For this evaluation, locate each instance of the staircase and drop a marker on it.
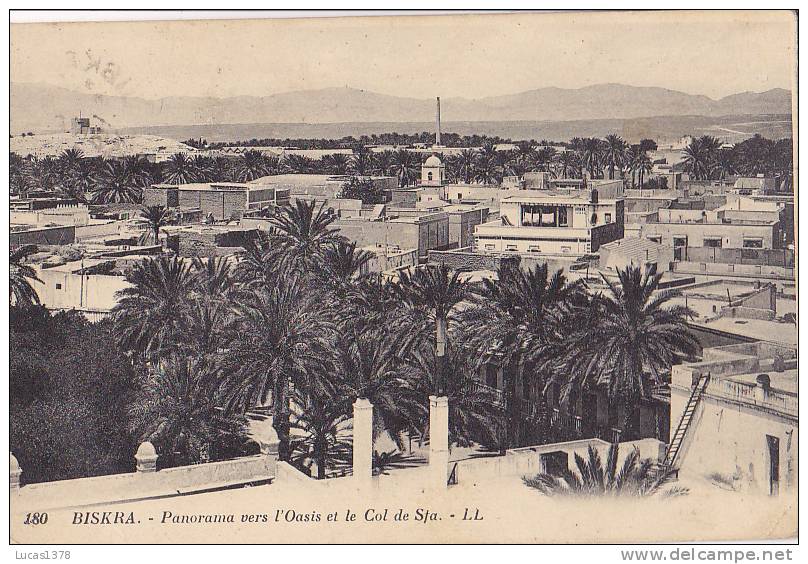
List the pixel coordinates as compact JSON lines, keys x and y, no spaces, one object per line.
{"x":684,"y":422}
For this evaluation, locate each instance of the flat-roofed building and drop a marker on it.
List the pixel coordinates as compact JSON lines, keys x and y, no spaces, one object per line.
{"x":725,"y":227}
{"x":219,"y":200}
{"x":743,"y":432}
{"x":549,"y":222}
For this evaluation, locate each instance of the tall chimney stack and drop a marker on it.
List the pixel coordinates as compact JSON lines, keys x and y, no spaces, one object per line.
{"x":437,"y":123}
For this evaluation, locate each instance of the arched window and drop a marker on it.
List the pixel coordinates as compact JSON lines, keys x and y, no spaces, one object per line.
{"x":429,"y":176}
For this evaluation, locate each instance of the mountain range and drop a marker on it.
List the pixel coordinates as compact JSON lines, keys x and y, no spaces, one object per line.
{"x":46,"y":108}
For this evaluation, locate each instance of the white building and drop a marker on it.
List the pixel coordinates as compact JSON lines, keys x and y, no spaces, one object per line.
{"x":743,"y":432}
{"x":576,"y":222}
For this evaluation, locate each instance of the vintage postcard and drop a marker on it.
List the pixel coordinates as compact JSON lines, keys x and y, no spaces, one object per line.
{"x":403,"y":278}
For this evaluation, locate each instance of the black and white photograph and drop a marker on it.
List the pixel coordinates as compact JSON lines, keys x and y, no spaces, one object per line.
{"x":523,"y":277}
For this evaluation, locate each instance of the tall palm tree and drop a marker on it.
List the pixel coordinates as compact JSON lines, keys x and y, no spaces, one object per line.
{"x":154,"y":217}
{"x":284,"y":342}
{"x":467,"y":165}
{"x":406,"y":165}
{"x":336,"y":163}
{"x":215,"y":277}
{"x":636,"y":477}
{"x":614,"y":149}
{"x":569,"y":164}
{"x":360,"y":162}
{"x":642,"y":165}
{"x":382,"y":162}
{"x":21,"y":292}
{"x":725,"y":163}
{"x":521,"y":323}
{"x":176,"y":410}
{"x":151,"y":313}
{"x":696,"y":158}
{"x":591,"y":155}
{"x":473,"y":415}
{"x":115,"y":185}
{"x":300,"y":234}
{"x":179,"y":169}
{"x":324,"y":423}
{"x":635,"y":339}
{"x":432,"y":293}
{"x":250,"y":166}
{"x":344,"y":262}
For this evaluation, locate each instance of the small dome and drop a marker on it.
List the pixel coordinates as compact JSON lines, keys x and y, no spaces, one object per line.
{"x":13,"y":464}
{"x":146,"y":449}
{"x":432,"y":161}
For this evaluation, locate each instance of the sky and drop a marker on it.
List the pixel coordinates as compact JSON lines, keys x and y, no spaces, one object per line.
{"x":471,"y":56}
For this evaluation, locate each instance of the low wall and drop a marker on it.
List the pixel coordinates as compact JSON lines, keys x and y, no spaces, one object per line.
{"x":99,"y":230}
{"x":527,"y":461}
{"x":739,"y":270}
{"x":118,"y":488}
{"x":467,"y":260}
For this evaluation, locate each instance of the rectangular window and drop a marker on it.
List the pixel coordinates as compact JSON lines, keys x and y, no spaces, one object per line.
{"x":563,"y":221}
{"x":680,"y":241}
{"x":534,"y":249}
{"x":753,"y":243}
{"x":714,"y":242}
{"x":58,"y":286}
{"x":489,"y":247}
{"x":510,"y":247}
{"x":655,"y":239}
{"x":566,"y":249}
{"x":608,"y":218}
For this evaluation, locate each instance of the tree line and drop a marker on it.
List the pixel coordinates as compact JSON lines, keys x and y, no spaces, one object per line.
{"x":295,"y":326}
{"x":100,"y":181}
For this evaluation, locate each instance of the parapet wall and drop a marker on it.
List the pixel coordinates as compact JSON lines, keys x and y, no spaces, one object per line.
{"x":119,"y":488}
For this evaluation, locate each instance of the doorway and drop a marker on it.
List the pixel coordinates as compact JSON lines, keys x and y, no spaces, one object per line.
{"x":773,"y":444}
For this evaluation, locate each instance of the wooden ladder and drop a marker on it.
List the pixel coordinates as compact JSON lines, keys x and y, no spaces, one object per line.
{"x":685,"y":420}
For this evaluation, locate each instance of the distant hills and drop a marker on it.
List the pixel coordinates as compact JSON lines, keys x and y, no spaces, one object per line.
{"x":42,"y":108}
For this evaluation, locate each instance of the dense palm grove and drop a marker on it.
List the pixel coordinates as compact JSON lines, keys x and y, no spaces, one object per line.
{"x":101,"y":181}
{"x":294,"y":327}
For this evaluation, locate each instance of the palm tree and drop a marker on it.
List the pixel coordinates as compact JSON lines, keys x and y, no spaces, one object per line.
{"x":70,"y":159}
{"x":591,"y":155}
{"x":297,"y":164}
{"x":366,"y":360}
{"x":179,"y":169}
{"x":21,"y":292}
{"x":406,"y":167}
{"x":326,"y":439}
{"x":344,"y":262}
{"x":473,"y":415}
{"x":521,"y":323}
{"x":115,"y":185}
{"x":696,"y":158}
{"x":725,"y":163}
{"x":642,"y":165}
{"x":336,"y":163}
{"x":432,"y":293}
{"x":154,"y":218}
{"x":636,"y":478}
{"x":300,"y":234}
{"x":215,"y":277}
{"x":251,"y":165}
{"x":614,"y":150}
{"x":466,"y":164}
{"x":176,"y":410}
{"x":569,"y":164}
{"x":151,"y":313}
{"x":635,"y":338}
{"x":284,"y":341}
{"x":382,"y":162}
{"x":360,"y":161}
